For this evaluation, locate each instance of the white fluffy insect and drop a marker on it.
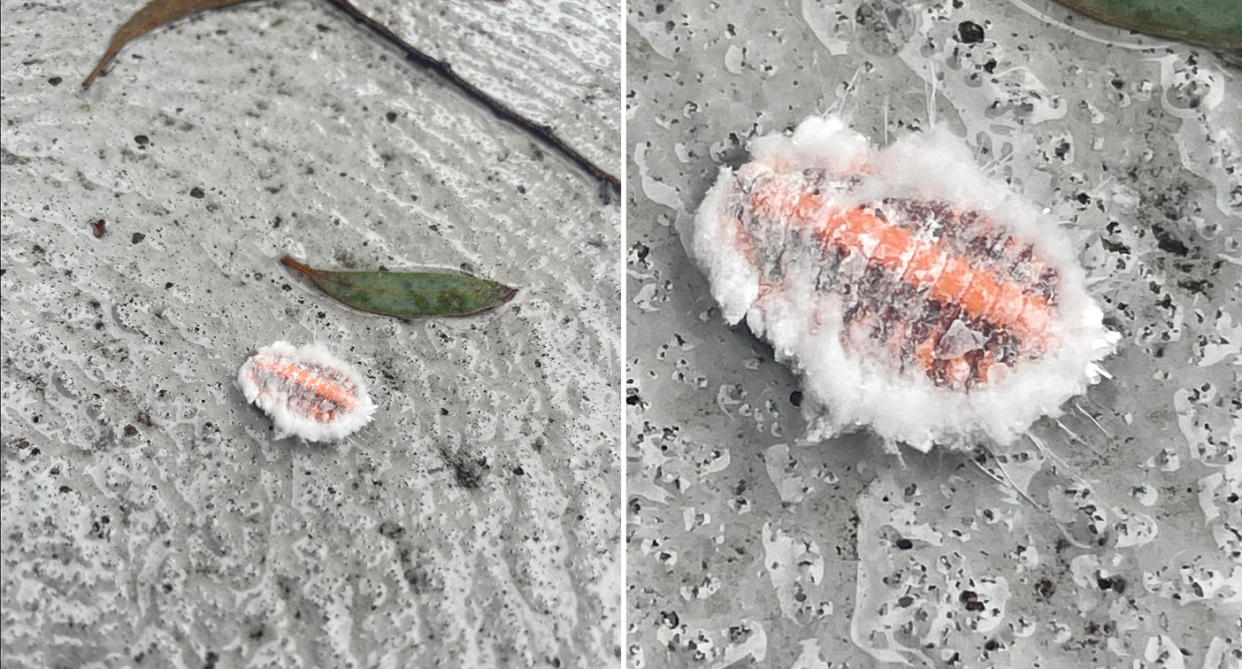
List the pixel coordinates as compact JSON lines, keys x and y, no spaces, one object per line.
{"x":912,"y":294}
{"x":307,"y":391}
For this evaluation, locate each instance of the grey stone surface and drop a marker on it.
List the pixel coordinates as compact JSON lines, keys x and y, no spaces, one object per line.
{"x":748,"y":546}
{"x":149,"y":518}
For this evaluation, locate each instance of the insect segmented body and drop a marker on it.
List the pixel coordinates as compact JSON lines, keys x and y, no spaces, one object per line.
{"x":914,"y":296}
{"x":307,"y":391}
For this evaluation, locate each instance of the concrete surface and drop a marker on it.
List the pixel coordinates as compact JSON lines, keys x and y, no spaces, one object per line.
{"x":748,"y":546}
{"x":149,"y":518}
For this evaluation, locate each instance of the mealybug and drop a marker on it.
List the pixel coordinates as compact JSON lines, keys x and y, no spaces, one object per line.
{"x":307,"y":391}
{"x":913,"y":295}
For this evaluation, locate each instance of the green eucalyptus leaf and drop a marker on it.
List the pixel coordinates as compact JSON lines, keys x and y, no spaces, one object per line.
{"x":408,"y":294}
{"x":1211,"y":23}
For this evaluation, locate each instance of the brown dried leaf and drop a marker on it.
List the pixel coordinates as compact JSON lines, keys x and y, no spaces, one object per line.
{"x":155,"y":14}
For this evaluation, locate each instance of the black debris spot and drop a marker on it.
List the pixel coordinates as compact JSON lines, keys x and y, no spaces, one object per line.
{"x":632,"y":400}
{"x":212,"y":658}
{"x":795,"y":398}
{"x":971,"y":599}
{"x":55,"y":81}
{"x":1045,"y":588}
{"x":391,"y":529}
{"x":130,"y":430}
{"x":137,"y":237}
{"x":1194,"y":285}
{"x":1167,"y":242}
{"x":98,"y":228}
{"x":142,"y":140}
{"x":391,"y":116}
{"x":969,"y":32}
{"x":1114,"y":247}
{"x":905,"y":544}
{"x":469,"y":472}
{"x":197,"y":192}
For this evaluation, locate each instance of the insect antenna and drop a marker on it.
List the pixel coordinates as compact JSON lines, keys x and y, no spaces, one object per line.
{"x":1001,"y":476}
{"x":848,"y":95}
{"x":1074,"y":437}
{"x":886,"y":119}
{"x":1093,"y":420}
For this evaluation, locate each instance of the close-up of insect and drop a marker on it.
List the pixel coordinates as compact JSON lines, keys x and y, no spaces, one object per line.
{"x":307,"y":391}
{"x":914,"y":296}
{"x":932,"y":336}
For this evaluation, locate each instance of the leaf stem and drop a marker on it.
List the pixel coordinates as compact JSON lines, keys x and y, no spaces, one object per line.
{"x":609,"y":185}
{"x":290,"y":262}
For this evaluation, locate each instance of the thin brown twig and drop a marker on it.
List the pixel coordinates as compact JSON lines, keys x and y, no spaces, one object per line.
{"x":609,"y":185}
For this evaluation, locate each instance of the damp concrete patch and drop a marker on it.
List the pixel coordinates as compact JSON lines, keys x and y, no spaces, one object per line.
{"x":1106,"y":537}
{"x":150,"y":516}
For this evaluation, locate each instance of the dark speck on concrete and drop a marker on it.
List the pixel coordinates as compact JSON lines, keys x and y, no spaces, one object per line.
{"x":1166,"y":242}
{"x":969,"y":32}
{"x":1045,"y":588}
{"x":469,"y":472}
{"x":197,"y":192}
{"x":390,"y":529}
{"x":142,"y":140}
{"x":138,"y":237}
{"x":55,"y":81}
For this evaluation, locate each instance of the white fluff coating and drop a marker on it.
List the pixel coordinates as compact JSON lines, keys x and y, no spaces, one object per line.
{"x":848,"y":390}
{"x":287,"y":401}
{"x":734,"y":281}
{"x":819,"y":141}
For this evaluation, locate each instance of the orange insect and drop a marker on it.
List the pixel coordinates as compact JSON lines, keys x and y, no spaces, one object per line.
{"x":307,"y":391}
{"x":914,"y":295}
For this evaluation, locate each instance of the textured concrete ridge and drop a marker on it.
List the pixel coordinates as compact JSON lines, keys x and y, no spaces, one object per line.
{"x":1107,"y":538}
{"x":149,"y":517}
